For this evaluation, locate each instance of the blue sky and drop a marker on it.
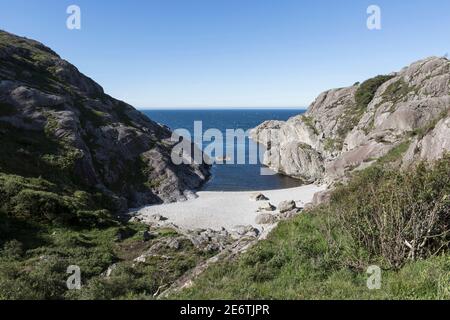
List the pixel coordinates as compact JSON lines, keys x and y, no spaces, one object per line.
{"x":232,"y":53}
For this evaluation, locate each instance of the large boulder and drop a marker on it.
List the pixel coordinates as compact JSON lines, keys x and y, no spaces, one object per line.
{"x":286,"y":206}
{"x":244,"y":231}
{"x":258,"y":197}
{"x":321,"y":197}
{"x":266,"y":207}
{"x":266,"y":218}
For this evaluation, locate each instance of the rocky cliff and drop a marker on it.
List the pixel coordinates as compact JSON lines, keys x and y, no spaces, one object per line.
{"x":403,"y":116}
{"x":59,"y":126}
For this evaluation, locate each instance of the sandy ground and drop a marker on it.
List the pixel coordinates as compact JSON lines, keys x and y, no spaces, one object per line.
{"x":215,"y":210}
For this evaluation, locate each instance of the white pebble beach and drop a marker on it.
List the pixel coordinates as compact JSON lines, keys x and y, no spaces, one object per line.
{"x":217,"y":210}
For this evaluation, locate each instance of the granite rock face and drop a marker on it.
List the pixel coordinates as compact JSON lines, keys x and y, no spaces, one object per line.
{"x":97,"y":141}
{"x":347,"y":129}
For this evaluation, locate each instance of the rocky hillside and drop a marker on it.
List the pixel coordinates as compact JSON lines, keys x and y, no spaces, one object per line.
{"x":62,"y":138}
{"x":403,"y":116}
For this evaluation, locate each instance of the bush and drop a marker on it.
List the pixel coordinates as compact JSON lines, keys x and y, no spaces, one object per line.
{"x":367,"y":90}
{"x":12,"y":249}
{"x":92,"y":219}
{"x":38,"y":200}
{"x":397,"y":216}
{"x":42,"y":205}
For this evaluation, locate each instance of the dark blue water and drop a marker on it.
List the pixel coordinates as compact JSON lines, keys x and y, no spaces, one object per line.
{"x":231,"y":176}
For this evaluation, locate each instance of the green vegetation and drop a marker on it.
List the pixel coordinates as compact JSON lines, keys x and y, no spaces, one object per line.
{"x":34,"y":259}
{"x":89,"y":115}
{"x":423,"y":131}
{"x":331,"y":144}
{"x":353,"y":114}
{"x":121,"y":110}
{"x":39,"y":153}
{"x":397,"y":91}
{"x":396,"y":220}
{"x":395,"y":153}
{"x":43,"y":186}
{"x":366,"y":91}
{"x":38,"y":200}
{"x":30,"y":71}
{"x":309,"y":121}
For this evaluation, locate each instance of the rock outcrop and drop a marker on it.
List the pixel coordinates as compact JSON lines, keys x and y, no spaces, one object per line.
{"x":266,"y":218}
{"x":287,"y":206}
{"x":58,"y":124}
{"x":403,"y":115}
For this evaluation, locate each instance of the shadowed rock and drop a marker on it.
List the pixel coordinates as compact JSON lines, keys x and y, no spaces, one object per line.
{"x":286,"y":206}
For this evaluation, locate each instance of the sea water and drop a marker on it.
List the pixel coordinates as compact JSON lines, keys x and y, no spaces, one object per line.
{"x":232,"y":176}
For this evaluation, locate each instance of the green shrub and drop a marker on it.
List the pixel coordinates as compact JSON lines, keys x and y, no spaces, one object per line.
{"x":397,"y":91}
{"x":42,"y":205}
{"x":353,"y":113}
{"x":12,"y":249}
{"x":397,"y":216}
{"x":40,"y":200}
{"x":92,"y":219}
{"x":333,"y":144}
{"x":366,"y":91}
{"x":310,"y":123}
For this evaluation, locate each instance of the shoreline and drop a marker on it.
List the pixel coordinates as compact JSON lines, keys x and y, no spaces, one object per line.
{"x":224,"y":210}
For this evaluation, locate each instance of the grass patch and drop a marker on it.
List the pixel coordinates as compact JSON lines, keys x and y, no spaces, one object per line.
{"x":395,"y":153}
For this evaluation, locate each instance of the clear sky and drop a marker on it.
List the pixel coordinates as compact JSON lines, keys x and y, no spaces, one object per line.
{"x":232,"y":53}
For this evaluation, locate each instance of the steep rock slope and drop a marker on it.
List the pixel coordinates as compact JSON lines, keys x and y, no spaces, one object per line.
{"x":404,"y":114}
{"x":58,"y":125}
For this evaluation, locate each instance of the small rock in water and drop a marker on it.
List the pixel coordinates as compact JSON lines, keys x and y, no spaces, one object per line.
{"x":286,"y":206}
{"x":267,"y":207}
{"x":266,"y":218}
{"x":258,"y":197}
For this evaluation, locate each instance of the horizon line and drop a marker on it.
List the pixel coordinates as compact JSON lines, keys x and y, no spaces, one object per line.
{"x":222,"y":108}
